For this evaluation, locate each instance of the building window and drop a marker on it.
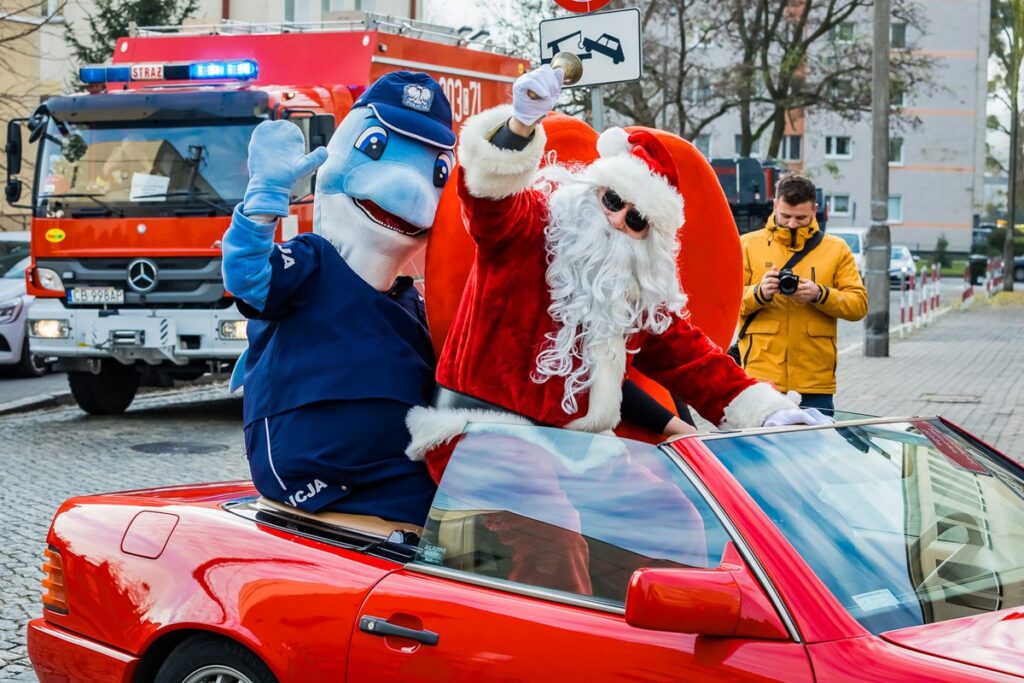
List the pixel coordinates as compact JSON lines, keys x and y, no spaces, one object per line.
{"x":895,"y":208}
{"x":843,"y":33}
{"x":842,"y":89}
{"x":289,"y":10}
{"x":703,"y":144}
{"x":898,"y":35}
{"x":837,"y":147}
{"x":50,"y":8}
{"x":790,"y":150}
{"x":755,"y":148}
{"x":895,"y":151}
{"x":839,"y":205}
{"x":698,"y":92}
{"x":896,"y":91}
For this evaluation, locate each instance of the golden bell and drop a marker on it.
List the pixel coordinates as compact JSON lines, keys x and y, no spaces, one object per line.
{"x":571,"y":66}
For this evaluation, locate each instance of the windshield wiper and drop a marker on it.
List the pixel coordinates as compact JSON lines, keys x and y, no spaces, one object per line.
{"x":94,"y":197}
{"x":191,"y":195}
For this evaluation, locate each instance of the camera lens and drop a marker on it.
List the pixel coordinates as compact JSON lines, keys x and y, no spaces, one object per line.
{"x":788,"y":282}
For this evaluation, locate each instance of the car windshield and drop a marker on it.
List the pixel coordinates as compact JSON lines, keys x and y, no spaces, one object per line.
{"x":907,"y":523}
{"x":113,"y":169}
{"x":11,"y":254}
{"x":17,"y":271}
{"x":565,"y":511}
{"x":852,"y":240}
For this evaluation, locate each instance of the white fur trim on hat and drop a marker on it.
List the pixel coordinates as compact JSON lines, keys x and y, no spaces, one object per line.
{"x":433,"y":427}
{"x":753,"y":405}
{"x":492,"y":172}
{"x":634,"y":181}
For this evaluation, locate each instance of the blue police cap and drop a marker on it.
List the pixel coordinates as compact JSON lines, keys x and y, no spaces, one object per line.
{"x":413,"y":104}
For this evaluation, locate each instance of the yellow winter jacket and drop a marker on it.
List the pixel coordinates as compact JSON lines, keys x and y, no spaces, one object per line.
{"x":792,"y":344}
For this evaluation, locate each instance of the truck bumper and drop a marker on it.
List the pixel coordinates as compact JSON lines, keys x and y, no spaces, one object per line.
{"x":155,"y":336}
{"x":59,"y":656}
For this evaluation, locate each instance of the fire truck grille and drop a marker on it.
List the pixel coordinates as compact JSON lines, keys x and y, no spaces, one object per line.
{"x":180,"y":282}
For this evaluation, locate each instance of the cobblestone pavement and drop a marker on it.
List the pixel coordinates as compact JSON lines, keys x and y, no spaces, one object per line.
{"x":187,"y":436}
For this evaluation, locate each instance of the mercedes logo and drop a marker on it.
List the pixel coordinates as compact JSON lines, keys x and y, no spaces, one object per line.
{"x":142,"y":275}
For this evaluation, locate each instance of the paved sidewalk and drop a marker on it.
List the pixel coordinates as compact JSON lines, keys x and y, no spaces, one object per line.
{"x":968,"y":366}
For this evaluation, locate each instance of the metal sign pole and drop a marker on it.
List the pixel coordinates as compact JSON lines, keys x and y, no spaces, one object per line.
{"x":597,"y":108}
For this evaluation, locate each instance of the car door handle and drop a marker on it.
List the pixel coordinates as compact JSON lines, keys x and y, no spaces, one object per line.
{"x":376,"y":626}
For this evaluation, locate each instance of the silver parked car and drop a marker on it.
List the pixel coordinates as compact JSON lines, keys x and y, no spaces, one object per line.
{"x":15,"y":355}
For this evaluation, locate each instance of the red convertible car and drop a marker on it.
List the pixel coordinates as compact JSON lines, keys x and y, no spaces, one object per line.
{"x":868,"y":550}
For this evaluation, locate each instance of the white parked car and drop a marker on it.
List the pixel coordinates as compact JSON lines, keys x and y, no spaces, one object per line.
{"x":14,"y":302}
{"x":902,"y":265}
{"x":855,"y":238}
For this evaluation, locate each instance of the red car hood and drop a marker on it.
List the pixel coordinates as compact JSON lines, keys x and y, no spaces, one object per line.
{"x":993,"y":641}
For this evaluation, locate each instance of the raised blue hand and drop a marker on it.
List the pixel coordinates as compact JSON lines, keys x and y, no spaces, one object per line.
{"x":277,"y":160}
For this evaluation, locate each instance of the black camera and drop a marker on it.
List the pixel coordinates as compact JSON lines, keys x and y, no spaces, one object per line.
{"x":788,"y":282}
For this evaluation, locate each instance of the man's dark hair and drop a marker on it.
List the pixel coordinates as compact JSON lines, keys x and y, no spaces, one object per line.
{"x":795,"y":189}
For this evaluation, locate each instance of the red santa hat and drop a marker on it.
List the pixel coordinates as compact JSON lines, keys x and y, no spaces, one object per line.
{"x":641,"y":170}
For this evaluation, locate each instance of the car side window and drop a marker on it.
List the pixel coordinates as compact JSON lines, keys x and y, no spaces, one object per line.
{"x":565,"y":511}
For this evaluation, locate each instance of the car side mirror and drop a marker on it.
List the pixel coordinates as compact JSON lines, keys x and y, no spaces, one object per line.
{"x":725,"y":602}
{"x":13,"y":147}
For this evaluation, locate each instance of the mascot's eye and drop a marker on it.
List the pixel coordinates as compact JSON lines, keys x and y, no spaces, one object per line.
{"x":442,"y":169}
{"x":372,"y":142}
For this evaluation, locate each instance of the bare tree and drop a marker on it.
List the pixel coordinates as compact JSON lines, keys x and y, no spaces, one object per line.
{"x":799,"y":54}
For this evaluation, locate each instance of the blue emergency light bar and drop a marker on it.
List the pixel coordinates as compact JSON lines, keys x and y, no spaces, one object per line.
{"x":235,"y":70}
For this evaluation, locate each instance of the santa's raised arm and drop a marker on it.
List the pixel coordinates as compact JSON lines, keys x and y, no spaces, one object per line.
{"x":574,"y":279}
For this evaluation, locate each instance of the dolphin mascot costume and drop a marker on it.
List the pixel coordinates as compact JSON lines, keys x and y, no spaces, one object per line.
{"x":338,"y":344}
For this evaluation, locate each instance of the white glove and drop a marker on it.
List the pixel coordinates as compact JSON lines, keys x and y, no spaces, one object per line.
{"x":797,"y":416}
{"x":544,"y":82}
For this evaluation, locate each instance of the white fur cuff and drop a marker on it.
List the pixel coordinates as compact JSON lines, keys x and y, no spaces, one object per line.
{"x":753,"y":405}
{"x":433,"y":427}
{"x":491,"y":172}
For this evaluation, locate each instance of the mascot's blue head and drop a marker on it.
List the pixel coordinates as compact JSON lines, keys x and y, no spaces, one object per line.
{"x":377,"y":193}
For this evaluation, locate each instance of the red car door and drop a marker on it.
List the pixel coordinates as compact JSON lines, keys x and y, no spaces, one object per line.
{"x":495,"y":635}
{"x":525,"y":564}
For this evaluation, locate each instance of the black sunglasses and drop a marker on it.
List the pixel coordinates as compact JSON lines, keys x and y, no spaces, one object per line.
{"x":635,"y":220}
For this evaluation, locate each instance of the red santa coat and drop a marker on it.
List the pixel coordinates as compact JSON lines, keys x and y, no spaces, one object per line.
{"x":502,"y":321}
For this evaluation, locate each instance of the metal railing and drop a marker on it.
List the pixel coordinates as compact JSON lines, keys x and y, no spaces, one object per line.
{"x":352,"y":21}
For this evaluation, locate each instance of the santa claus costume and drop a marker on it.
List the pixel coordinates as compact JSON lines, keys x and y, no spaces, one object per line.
{"x":545,"y":335}
{"x":558,"y":305}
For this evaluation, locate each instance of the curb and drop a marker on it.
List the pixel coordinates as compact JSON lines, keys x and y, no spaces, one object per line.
{"x":64,"y":398}
{"x":24,"y":405}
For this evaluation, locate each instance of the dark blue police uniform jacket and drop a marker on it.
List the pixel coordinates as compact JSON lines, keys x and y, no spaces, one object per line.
{"x":333,"y":366}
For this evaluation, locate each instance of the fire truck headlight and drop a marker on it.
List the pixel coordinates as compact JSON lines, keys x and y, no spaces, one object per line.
{"x":48,"y":279}
{"x":49,"y":329}
{"x":9,"y":310}
{"x":234,"y":330}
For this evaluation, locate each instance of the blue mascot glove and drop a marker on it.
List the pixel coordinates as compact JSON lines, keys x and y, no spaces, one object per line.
{"x":277,"y":160}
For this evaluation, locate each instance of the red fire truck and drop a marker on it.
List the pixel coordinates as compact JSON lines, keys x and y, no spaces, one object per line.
{"x":135,"y":181}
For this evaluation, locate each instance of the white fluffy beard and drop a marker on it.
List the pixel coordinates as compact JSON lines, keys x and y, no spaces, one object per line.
{"x":604,"y":285}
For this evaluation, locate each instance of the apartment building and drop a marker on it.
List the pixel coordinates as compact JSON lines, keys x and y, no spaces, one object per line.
{"x":936,"y":169}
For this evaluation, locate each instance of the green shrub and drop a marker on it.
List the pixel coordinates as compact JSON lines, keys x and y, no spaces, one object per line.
{"x":994,"y":247}
{"x":941,"y":256}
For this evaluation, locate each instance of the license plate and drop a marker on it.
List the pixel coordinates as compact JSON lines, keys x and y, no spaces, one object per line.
{"x":95,"y":295}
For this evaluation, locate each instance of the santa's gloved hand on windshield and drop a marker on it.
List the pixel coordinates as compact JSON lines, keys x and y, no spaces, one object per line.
{"x":797,"y":416}
{"x":544,"y":82}
{"x":277,"y":160}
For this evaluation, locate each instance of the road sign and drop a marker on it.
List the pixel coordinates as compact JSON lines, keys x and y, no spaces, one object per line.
{"x":608,"y":43}
{"x":583,"y":5}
